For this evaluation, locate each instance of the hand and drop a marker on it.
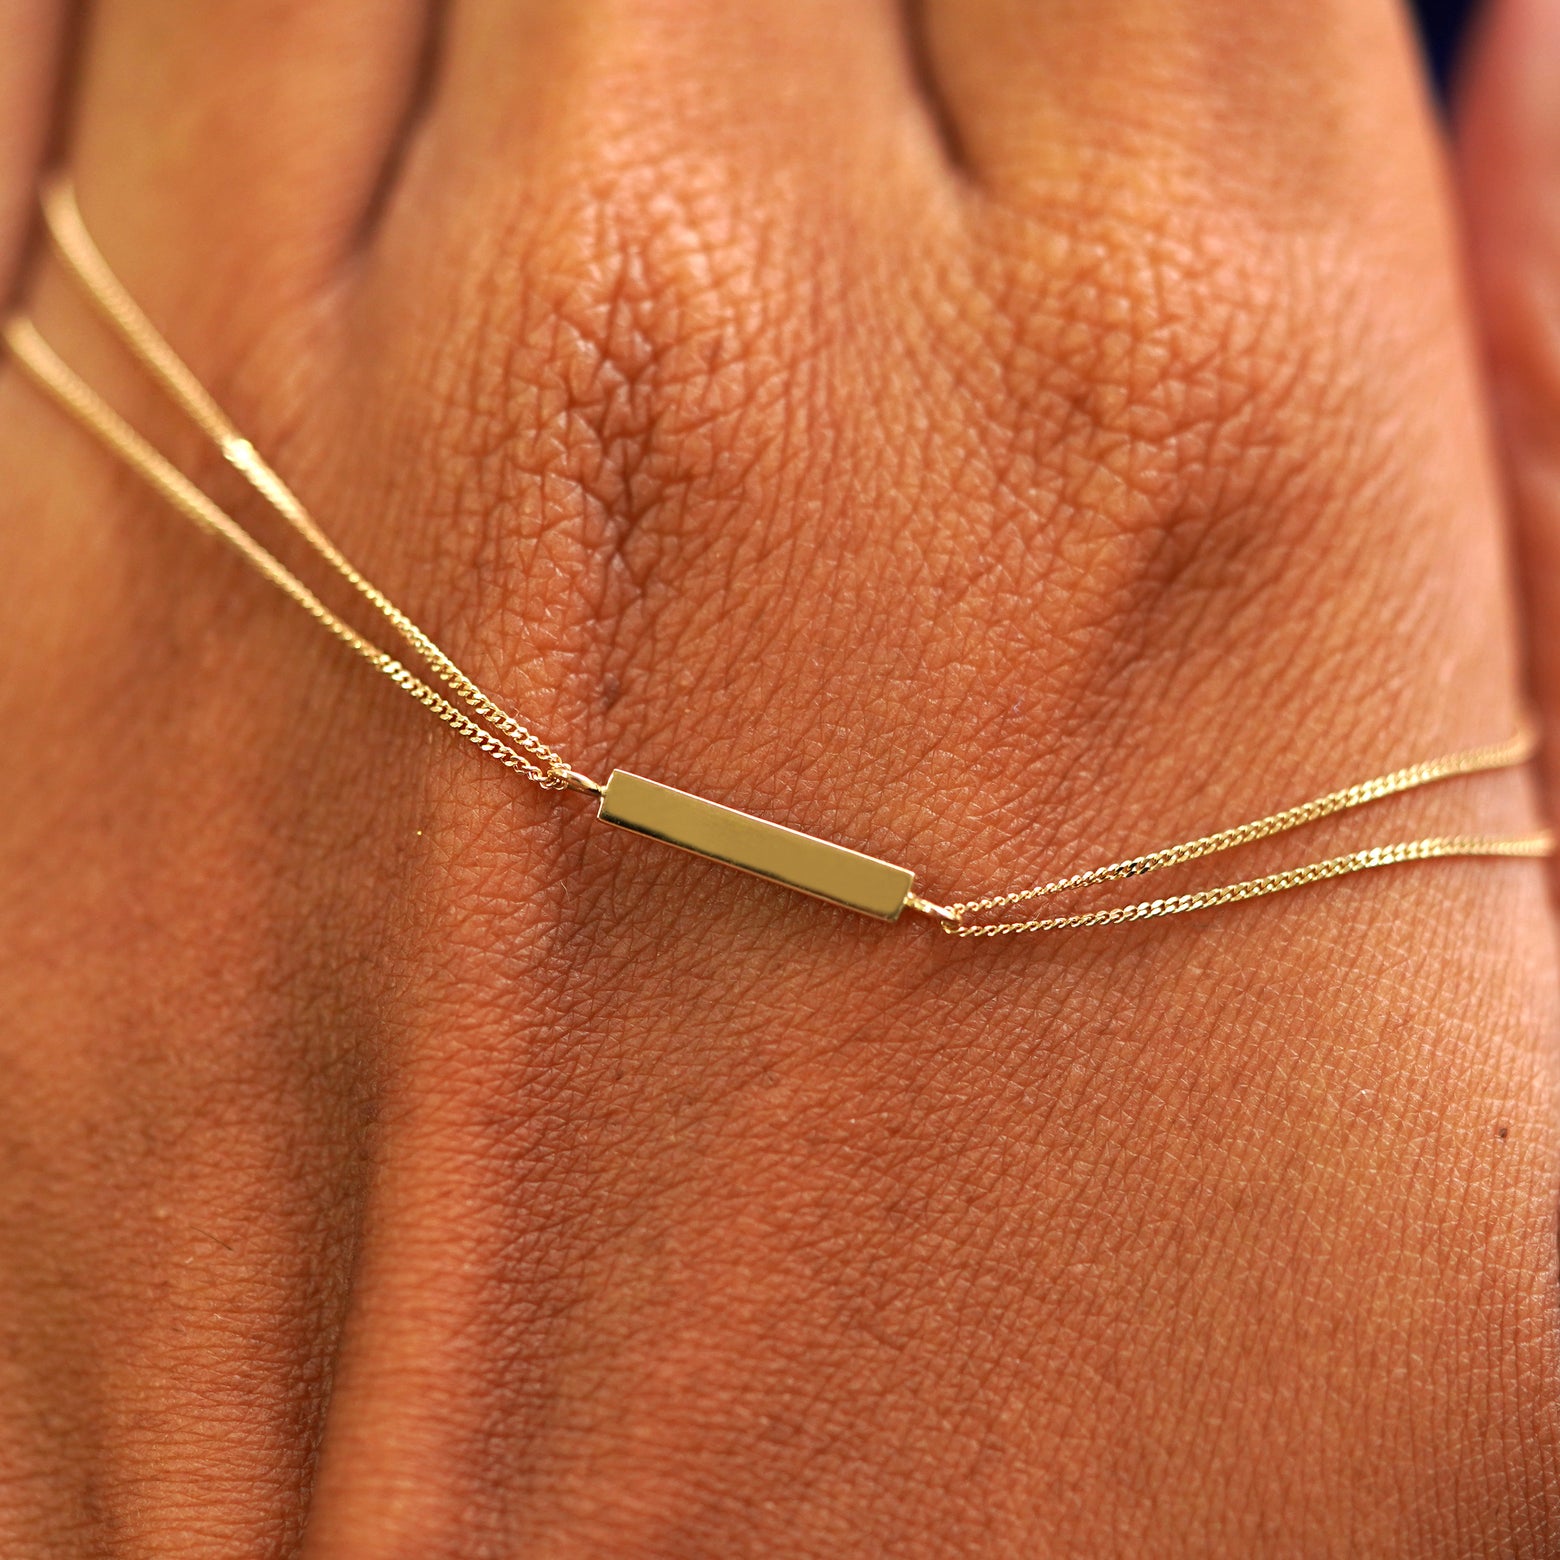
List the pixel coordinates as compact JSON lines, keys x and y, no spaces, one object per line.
{"x":999,"y":443}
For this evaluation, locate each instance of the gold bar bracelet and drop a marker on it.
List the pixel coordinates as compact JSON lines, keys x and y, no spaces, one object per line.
{"x":830,"y":872}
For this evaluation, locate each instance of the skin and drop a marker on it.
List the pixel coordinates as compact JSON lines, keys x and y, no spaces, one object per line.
{"x":1001,"y":439}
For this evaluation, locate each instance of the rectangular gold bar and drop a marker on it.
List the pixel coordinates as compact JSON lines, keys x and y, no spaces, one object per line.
{"x":767,"y":850}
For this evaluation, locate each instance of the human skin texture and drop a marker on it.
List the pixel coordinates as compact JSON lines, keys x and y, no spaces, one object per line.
{"x":999,"y":436}
{"x":1509,"y":160}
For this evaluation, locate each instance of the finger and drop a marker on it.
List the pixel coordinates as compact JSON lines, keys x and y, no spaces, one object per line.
{"x":227,"y":153}
{"x":666,"y":171}
{"x":639,"y":84}
{"x":30,"y":35}
{"x":1509,"y":155}
{"x":673,"y":190}
{"x":229,"y":159}
{"x":226,"y":157}
{"x":1217,"y":212}
{"x":1245,"y":98}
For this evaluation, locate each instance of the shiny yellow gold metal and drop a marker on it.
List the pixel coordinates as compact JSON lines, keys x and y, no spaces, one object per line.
{"x":767,"y":850}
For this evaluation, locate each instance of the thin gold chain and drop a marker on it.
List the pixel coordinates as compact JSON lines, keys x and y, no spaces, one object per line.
{"x":481,"y":720}
{"x":1437,"y":846}
{"x":1515,"y":750}
{"x":520,"y":750}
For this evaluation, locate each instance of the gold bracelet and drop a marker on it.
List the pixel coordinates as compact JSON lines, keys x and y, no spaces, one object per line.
{"x":813,"y":866}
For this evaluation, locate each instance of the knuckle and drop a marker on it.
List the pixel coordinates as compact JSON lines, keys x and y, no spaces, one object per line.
{"x":1175,"y":419}
{"x":615,"y":422}
{"x":633,"y":383}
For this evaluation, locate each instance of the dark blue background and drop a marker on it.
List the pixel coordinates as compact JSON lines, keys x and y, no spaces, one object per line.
{"x":1443,"y":23}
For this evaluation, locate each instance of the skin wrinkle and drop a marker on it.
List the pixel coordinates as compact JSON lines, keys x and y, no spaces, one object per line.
{"x":156,"y":1021}
{"x":638,"y":427}
{"x":1088,"y":517}
{"x":37,"y":45}
{"x":177,"y":1152}
{"x":401,"y":144}
{"x":923,"y":76}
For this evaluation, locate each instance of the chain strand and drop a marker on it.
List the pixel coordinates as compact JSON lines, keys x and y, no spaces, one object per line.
{"x":1517,"y":749}
{"x":83,"y":403}
{"x":1438,"y":846}
{"x":482,"y":721}
{"x":85,"y":262}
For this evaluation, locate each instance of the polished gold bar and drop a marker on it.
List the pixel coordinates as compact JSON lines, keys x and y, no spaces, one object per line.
{"x":767,"y":850}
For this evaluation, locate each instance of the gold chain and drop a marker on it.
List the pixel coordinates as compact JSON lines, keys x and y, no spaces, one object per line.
{"x":1539,"y":844}
{"x":646,"y":806}
{"x":519,"y":749}
{"x":1503,"y":755}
